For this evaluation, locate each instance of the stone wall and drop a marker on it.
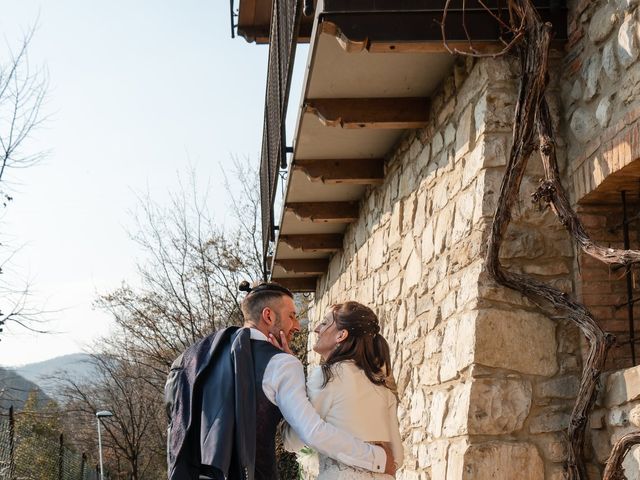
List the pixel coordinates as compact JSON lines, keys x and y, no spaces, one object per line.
{"x":601,"y":92}
{"x":618,"y":413}
{"x":486,"y":380}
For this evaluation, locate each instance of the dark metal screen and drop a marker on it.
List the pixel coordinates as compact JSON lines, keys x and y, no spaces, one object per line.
{"x":630,"y":218}
{"x":285,"y":21}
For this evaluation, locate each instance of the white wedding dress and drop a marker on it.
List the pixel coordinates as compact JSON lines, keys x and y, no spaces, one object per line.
{"x":352,"y":403}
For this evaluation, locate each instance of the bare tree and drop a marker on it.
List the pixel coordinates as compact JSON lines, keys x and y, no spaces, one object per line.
{"x":134,"y":437}
{"x":22,"y":94}
{"x":188,"y":282}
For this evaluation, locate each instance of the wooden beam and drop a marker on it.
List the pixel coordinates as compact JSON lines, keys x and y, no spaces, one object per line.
{"x":324,"y":212}
{"x":382,"y":113}
{"x":350,"y":45}
{"x":301,"y":284}
{"x":361,"y":171}
{"x":415,"y":22}
{"x":306,"y":266}
{"x":324,"y":242}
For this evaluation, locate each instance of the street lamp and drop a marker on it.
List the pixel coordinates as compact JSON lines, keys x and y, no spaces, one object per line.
{"x":99,"y":415}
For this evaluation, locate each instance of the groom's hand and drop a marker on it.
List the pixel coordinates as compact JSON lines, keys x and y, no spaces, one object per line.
{"x":282,"y":344}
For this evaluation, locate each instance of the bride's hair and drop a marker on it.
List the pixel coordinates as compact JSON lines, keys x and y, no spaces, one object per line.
{"x":364,"y":345}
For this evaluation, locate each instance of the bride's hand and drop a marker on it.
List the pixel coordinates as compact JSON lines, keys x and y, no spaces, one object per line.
{"x":390,"y":467}
{"x":282,"y":344}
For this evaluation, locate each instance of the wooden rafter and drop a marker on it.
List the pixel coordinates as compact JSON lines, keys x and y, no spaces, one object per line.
{"x":382,"y":113}
{"x":306,"y":266}
{"x":357,"y":45}
{"x":363,"y":171}
{"x":323,"y":242}
{"x":300,"y":284}
{"x":324,"y":212}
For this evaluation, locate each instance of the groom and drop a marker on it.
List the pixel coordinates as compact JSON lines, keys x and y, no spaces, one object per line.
{"x":227,"y":393}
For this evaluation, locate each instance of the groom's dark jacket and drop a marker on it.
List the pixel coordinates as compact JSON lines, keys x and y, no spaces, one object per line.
{"x":213,"y":393}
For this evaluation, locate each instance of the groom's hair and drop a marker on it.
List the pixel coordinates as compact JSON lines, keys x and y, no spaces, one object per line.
{"x":260,"y":296}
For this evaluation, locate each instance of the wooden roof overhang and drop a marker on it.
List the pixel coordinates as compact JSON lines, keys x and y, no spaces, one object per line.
{"x":371,"y":68}
{"x":254,"y":22}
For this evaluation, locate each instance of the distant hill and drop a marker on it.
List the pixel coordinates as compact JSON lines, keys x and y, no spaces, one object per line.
{"x":77,"y":366}
{"x":14,"y":390}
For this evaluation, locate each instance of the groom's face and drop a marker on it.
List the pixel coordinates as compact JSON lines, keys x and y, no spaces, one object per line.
{"x":286,"y":318}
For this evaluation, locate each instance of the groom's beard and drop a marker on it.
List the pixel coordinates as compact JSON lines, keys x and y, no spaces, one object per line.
{"x":277,"y":326}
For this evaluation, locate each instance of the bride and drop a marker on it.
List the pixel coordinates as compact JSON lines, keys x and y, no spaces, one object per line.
{"x":353,"y":388}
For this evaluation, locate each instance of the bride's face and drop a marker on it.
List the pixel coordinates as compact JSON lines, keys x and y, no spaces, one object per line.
{"x":328,"y":336}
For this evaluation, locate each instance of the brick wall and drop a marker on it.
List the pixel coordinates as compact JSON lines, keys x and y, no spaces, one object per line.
{"x":602,"y":288}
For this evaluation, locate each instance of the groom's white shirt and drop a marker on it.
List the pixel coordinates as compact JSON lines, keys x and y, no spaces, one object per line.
{"x":284,"y":385}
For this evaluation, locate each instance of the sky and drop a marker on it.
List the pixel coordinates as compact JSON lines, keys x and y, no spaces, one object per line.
{"x":139,"y":93}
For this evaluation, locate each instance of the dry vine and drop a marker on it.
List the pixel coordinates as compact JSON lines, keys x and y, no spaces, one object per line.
{"x":530,"y":37}
{"x":613,"y":470}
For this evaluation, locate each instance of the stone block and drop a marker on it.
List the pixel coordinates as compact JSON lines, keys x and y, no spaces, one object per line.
{"x":583,"y":123}
{"x":591,"y":75}
{"x":634,"y":416}
{"x":487,"y":189}
{"x":438,"y":459}
{"x":576,"y":90}
{"x":395,"y":225}
{"x":408,"y":180}
{"x":408,"y":247}
{"x":562,"y":387}
{"x":604,"y":110}
{"x":455,"y":458}
{"x":377,"y":250}
{"x":415,"y":149}
{"x":618,"y":417}
{"x":469,"y":294}
{"x":456,"y":421}
{"x":418,"y":413}
{"x":463,"y":215}
{"x":457,"y":345}
{"x":465,"y":136}
{"x":427,"y":242}
{"x":440,"y":195}
{"x":500,"y":460}
{"x":442,"y":231}
{"x":498,"y":406}
{"x":516,"y":340}
{"x":627,"y":47}
{"x":494,"y":111}
{"x":554,"y":446}
{"x":448,"y":305}
{"x":423,"y":158}
{"x":449,"y":134}
{"x":602,"y":23}
{"x":437,"y":143}
{"x":550,"y":419}
{"x":437,"y":413}
{"x":522,"y":241}
{"x":626,"y":4}
{"x":596,"y":419}
{"x":601,"y":442}
{"x":622,"y":386}
{"x":609,"y":61}
{"x":413,"y":272}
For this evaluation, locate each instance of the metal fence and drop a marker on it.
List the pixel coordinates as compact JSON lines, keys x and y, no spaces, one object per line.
{"x":36,"y":456}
